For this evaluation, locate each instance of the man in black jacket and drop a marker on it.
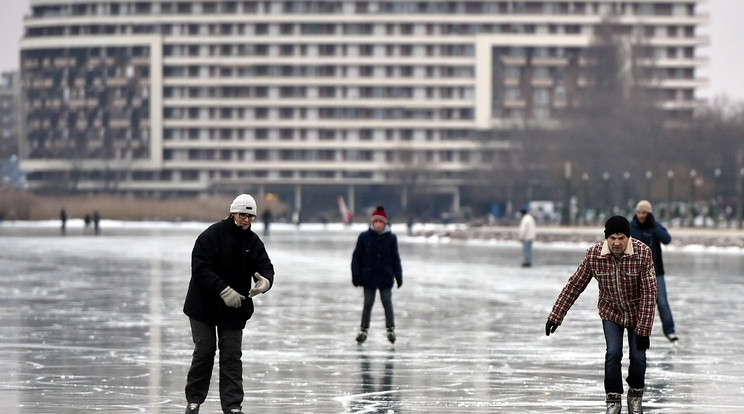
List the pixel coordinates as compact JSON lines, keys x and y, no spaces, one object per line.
{"x":226,"y":257}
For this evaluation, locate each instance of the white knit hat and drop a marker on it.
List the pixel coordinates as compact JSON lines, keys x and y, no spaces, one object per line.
{"x":244,"y":203}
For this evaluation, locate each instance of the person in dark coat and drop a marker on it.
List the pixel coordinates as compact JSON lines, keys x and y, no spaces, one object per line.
{"x":375,"y":265}
{"x":63,"y":220}
{"x":653,"y":234}
{"x":97,"y":222}
{"x":226,"y":258}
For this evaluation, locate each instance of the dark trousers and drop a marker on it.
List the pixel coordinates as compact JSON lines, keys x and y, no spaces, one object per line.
{"x":613,"y":371}
{"x":386,"y":295}
{"x":206,"y":343}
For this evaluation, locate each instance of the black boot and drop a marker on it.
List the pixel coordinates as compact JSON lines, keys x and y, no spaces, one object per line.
{"x":192,"y":408}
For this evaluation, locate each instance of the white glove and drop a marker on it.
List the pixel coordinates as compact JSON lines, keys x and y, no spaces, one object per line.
{"x":261,"y":286}
{"x":232,"y":298}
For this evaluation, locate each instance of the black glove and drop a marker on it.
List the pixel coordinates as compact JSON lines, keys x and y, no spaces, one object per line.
{"x":400,"y":282}
{"x":642,"y":342}
{"x":550,"y":327}
{"x":356,"y":280}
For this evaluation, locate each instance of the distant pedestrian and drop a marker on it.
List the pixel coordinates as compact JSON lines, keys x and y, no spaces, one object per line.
{"x":226,"y":257}
{"x":527,"y":236}
{"x":266,"y":218}
{"x":63,"y":220}
{"x":624,"y":271}
{"x":97,"y":222}
{"x":375,"y":265}
{"x":645,"y":228}
{"x":86,"y":222}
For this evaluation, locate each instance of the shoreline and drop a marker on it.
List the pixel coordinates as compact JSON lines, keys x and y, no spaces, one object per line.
{"x":429,"y":232}
{"x":723,"y":237}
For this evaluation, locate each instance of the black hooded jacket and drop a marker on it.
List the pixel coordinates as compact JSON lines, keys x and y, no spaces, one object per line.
{"x":225,"y":255}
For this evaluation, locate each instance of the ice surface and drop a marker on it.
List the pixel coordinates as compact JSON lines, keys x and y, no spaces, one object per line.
{"x":94,"y":324}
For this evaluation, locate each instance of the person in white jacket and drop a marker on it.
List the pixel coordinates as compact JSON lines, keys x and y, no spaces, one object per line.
{"x":527,"y":236}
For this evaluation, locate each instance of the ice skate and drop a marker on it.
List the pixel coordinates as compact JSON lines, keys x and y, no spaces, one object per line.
{"x":391,"y":334}
{"x":635,"y":398}
{"x":192,"y":408}
{"x":614,"y":403}
{"x":361,"y":336}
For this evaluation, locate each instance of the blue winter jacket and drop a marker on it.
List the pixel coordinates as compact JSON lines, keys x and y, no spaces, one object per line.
{"x":376,"y":260}
{"x":652,"y":234}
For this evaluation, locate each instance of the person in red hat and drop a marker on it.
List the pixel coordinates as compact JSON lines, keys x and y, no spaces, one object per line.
{"x":375,"y":265}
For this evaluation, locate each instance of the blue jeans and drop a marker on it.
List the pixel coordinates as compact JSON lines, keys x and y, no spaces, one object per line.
{"x":667,"y":322}
{"x":386,"y":295}
{"x":613,"y":380}
{"x":527,"y":251}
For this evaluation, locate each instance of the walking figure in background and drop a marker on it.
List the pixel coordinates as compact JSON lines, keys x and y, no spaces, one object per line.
{"x":375,"y":265}
{"x":86,"y":222}
{"x":63,"y":220}
{"x":97,"y":222}
{"x":527,"y":236}
{"x":227,"y":256}
{"x":266,"y":218}
{"x":624,"y":271}
{"x":645,"y":228}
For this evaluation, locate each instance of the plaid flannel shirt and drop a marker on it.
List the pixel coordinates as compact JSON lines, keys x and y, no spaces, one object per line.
{"x":627,"y":286}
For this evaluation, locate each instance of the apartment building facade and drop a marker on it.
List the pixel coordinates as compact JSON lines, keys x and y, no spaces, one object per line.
{"x":174,"y":97}
{"x":10,"y":115}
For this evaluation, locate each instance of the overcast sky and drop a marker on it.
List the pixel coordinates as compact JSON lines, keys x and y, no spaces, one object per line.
{"x":725,"y":71}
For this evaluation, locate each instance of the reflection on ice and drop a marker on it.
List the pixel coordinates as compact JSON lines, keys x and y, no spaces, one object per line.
{"x":94,"y":324}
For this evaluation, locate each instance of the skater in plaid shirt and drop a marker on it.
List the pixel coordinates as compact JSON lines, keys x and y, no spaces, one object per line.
{"x":624,"y":270}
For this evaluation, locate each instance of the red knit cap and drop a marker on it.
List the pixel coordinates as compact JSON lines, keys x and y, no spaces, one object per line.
{"x":380,"y":214}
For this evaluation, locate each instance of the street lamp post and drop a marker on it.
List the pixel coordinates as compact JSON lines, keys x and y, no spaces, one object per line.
{"x":693,"y":176}
{"x":716,"y":197}
{"x":670,"y":177}
{"x":585,"y":180}
{"x":626,"y":190}
{"x":608,"y":201}
{"x":741,"y":197}
{"x":567,"y":207}
{"x":649,"y":176}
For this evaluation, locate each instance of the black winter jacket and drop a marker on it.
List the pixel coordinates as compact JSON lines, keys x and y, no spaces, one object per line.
{"x":225,"y":255}
{"x":376,"y":260}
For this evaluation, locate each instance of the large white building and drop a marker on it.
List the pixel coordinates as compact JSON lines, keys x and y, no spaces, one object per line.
{"x":187,"y":97}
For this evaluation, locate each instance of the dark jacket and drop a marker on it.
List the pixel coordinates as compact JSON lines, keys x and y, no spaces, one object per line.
{"x":225,"y":255}
{"x":376,"y":260}
{"x":652,"y":234}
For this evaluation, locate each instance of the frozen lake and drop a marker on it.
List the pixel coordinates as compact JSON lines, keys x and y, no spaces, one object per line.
{"x":94,"y":324}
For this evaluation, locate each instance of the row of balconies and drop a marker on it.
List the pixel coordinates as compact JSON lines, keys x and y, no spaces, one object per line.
{"x":83,"y":124}
{"x":98,"y":83}
{"x":71,"y":62}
